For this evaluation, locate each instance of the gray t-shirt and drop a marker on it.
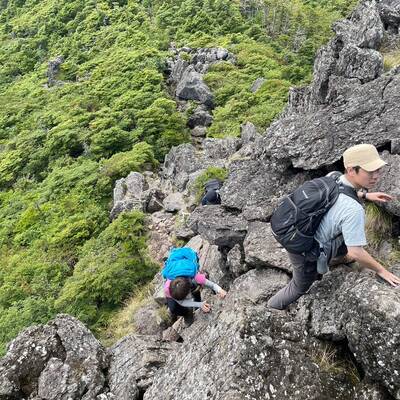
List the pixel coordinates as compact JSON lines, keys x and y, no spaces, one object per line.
{"x":347,"y":218}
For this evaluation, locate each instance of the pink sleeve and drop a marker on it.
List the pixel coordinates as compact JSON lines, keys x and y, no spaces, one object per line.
{"x":166,"y":288}
{"x":200,"y":279}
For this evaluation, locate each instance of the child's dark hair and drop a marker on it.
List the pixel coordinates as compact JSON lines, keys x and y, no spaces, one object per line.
{"x":180,"y":288}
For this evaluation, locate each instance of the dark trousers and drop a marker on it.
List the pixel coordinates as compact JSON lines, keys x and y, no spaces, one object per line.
{"x":304,"y":274}
{"x":179,"y":310}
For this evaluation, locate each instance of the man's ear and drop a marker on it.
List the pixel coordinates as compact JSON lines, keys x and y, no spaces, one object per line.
{"x":350,"y":171}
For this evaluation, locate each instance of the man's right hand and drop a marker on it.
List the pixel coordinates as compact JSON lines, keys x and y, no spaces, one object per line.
{"x":389,"y":277}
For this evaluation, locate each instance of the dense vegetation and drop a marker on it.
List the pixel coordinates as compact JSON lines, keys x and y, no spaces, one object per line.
{"x":68,"y":132}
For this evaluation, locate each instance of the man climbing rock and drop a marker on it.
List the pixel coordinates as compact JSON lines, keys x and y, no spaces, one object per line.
{"x":341,"y":231}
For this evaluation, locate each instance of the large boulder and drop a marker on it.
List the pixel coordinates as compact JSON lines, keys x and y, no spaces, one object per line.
{"x":256,"y":186}
{"x":218,"y":226}
{"x":192,"y":87}
{"x":134,"y":360}
{"x":262,"y":250}
{"x":389,"y":182}
{"x":179,"y":163}
{"x":128,"y":194}
{"x":56,"y":361}
{"x":365,"y":313}
{"x":359,"y":113}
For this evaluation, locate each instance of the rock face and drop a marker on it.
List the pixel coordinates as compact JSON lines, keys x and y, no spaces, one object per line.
{"x":59,"y":360}
{"x":133,"y":363}
{"x":349,"y":101}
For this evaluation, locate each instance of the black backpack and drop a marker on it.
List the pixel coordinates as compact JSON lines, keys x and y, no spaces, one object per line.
{"x":211,"y":192}
{"x":296,"y":219}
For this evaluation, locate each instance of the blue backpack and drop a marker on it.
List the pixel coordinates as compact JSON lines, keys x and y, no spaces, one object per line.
{"x":181,"y":261}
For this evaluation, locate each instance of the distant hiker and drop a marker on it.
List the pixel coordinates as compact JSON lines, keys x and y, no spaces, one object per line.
{"x":324,"y":218}
{"x":211,"y":192}
{"x":183,"y":283}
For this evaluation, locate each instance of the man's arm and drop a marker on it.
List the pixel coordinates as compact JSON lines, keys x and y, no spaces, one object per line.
{"x":366,"y":260}
{"x":374,"y":196}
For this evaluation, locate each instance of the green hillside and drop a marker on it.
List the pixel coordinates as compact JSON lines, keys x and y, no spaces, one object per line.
{"x":66,"y":137}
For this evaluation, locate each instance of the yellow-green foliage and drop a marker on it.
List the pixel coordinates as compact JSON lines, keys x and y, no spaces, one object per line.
{"x":123,"y":323}
{"x":209,"y":173}
{"x":108,"y":270}
{"x":330,"y":361}
{"x":391,"y":59}
{"x":378,"y":225}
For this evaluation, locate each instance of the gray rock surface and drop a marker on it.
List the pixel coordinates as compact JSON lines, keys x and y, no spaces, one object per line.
{"x":218,"y":226}
{"x":128,"y":194}
{"x":349,"y":101}
{"x":262,"y":250}
{"x":134,"y":360}
{"x":389,"y":182}
{"x":256,"y":186}
{"x":192,"y":87}
{"x":365,"y":313}
{"x":56,"y":361}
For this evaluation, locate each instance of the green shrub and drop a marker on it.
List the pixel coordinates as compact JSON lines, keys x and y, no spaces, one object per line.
{"x":109,"y":268}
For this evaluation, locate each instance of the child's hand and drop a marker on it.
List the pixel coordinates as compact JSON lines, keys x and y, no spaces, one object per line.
{"x":206,"y":308}
{"x":221,"y":294}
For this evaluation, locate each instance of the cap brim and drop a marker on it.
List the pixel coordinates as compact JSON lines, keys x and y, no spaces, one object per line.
{"x":373,"y":165}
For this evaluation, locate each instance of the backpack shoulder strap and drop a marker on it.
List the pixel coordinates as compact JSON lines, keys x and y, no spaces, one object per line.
{"x":349,"y":191}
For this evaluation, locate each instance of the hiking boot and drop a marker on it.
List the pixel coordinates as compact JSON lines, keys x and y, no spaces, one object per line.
{"x":188,"y":319}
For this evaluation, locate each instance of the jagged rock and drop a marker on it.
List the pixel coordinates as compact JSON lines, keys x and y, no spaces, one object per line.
{"x":148,"y":320}
{"x":200,"y":117}
{"x":128,"y":194}
{"x":364,"y":28}
{"x":158,"y":293}
{"x":154,"y":201}
{"x":389,"y":11}
{"x":369,"y":391}
{"x":184,"y":233}
{"x":395,"y":146}
{"x":192,"y":87}
{"x":179,"y":163}
{"x":212,"y":261}
{"x":235,"y":261}
{"x":248,"y":133}
{"x":262,"y":250}
{"x":220,"y":149}
{"x":348,"y":101}
{"x":257,"y":84}
{"x":59,"y":360}
{"x":363,"y":64}
{"x":218,"y":226}
{"x":53,"y":69}
{"x":360,"y":113}
{"x":174,"y":202}
{"x":256,"y":186}
{"x":246,"y":351}
{"x":389,"y":182}
{"x":134,"y":361}
{"x":365,"y":313}
{"x":161,"y":228}
{"x":199,"y":131}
